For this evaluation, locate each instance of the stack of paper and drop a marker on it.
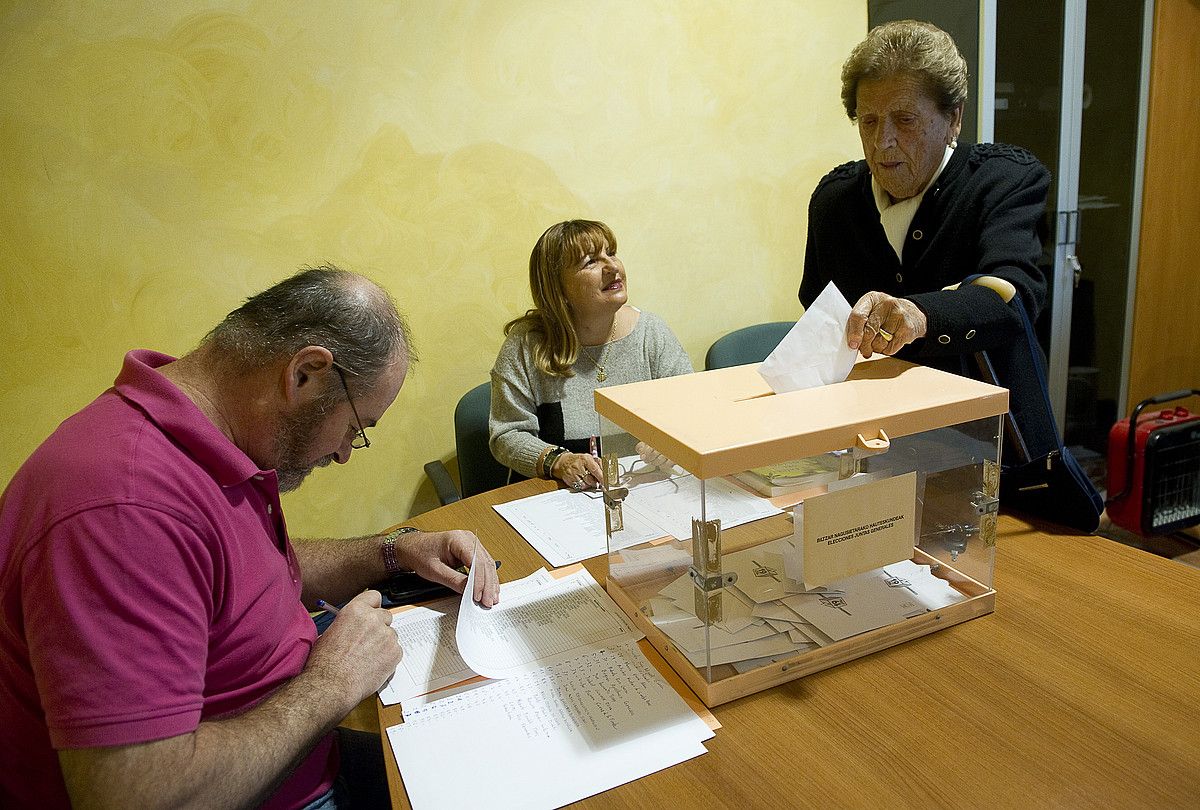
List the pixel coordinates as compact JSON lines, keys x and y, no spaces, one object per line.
{"x":566,"y":527}
{"x":767,"y":616}
{"x":568,"y":616}
{"x":792,"y":476}
{"x":548,"y":737}
{"x":576,"y":708}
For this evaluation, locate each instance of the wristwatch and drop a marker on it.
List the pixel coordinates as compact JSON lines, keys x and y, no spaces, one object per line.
{"x":390,"y":563}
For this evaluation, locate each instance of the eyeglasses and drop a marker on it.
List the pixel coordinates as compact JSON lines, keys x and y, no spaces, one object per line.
{"x":626,"y":477}
{"x":360,"y":440}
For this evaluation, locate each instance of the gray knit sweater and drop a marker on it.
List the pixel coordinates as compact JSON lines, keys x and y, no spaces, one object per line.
{"x":531,"y":410}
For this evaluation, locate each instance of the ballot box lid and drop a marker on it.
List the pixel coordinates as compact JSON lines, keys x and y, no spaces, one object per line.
{"x":724,"y":421}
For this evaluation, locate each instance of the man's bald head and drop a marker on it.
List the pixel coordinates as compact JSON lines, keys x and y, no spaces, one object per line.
{"x":351,"y":316}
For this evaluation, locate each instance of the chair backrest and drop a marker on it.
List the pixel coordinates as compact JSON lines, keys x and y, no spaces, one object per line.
{"x":750,"y":344}
{"x":478,"y":470}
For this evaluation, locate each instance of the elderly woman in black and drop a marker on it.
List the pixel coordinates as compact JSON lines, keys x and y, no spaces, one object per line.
{"x":922,"y":213}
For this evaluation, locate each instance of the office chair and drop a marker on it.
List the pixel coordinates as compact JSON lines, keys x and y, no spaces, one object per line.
{"x":750,"y":344}
{"x":478,"y":470}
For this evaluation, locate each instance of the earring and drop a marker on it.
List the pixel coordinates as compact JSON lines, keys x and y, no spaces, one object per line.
{"x":954,"y":143}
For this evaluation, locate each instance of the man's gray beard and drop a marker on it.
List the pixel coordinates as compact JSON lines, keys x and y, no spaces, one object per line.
{"x":291,"y":447}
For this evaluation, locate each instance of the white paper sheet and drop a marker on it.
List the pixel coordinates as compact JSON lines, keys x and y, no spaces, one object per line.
{"x":566,"y":527}
{"x":760,"y":574}
{"x":672,"y":504}
{"x":875,"y":599}
{"x":634,"y":565}
{"x":814,"y":352}
{"x":559,"y":620}
{"x":932,"y":593}
{"x":776,"y":611}
{"x":776,"y":644}
{"x":548,"y":737}
{"x":427,"y":637}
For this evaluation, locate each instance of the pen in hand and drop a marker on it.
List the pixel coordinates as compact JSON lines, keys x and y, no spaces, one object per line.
{"x":323,"y":605}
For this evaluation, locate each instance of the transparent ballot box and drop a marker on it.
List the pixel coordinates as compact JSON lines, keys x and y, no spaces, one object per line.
{"x":756,"y":538}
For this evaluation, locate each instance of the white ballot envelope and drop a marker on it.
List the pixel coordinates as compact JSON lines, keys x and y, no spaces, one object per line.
{"x":814,"y":352}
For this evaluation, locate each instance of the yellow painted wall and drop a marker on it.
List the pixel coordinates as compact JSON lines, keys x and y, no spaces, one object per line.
{"x":160,"y":161}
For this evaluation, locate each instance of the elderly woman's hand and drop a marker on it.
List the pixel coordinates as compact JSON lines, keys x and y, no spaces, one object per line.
{"x":881,"y":323}
{"x":577,"y":470}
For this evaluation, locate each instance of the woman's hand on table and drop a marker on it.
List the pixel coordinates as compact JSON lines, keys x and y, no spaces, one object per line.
{"x":578,"y":471}
{"x":882,"y":323}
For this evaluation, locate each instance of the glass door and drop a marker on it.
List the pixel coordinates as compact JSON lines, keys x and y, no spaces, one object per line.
{"x":1036,"y":70}
{"x":1068,"y":87}
{"x":1111,"y":149}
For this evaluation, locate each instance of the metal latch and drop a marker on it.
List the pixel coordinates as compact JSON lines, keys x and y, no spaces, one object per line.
{"x":706,"y":570}
{"x":985,"y":504}
{"x":614,"y":494}
{"x":1076,"y":268}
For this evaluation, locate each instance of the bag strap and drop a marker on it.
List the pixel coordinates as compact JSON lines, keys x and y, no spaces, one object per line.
{"x":1034,"y":355}
{"x":1071,"y":465}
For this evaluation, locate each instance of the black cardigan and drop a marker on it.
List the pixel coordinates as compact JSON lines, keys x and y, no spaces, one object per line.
{"x":981,"y":216}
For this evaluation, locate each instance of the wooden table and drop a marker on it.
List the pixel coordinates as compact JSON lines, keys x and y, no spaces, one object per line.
{"x":1081,"y":690}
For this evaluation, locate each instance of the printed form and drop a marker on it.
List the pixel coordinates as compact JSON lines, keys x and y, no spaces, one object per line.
{"x":566,"y":527}
{"x":554,"y":622}
{"x":539,"y":620}
{"x":426,"y":634}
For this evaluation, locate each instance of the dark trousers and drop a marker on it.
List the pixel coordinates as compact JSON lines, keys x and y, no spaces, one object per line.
{"x":362,"y":774}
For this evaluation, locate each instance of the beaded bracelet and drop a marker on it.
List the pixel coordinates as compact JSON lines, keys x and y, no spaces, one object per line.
{"x":551,"y":457}
{"x":539,"y":468}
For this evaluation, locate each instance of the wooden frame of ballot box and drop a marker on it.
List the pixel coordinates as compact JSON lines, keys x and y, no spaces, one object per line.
{"x":721,"y":423}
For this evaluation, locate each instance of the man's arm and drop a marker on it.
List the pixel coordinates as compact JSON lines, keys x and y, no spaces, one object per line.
{"x":335,"y":570}
{"x":240,"y":761}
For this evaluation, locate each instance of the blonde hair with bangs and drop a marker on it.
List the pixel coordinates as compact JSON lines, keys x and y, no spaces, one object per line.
{"x":551,"y":328}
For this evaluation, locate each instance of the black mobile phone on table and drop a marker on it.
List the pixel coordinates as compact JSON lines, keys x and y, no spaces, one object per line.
{"x":408,"y":588}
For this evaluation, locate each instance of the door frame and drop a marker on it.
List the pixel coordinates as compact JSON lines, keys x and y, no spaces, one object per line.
{"x":1135,"y":224}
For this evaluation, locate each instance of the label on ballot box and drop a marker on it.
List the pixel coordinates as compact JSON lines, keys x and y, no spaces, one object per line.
{"x":856,"y":529}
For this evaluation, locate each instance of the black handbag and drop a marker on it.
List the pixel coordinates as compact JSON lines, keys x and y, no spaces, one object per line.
{"x":1055,"y":488}
{"x":1043,"y":482}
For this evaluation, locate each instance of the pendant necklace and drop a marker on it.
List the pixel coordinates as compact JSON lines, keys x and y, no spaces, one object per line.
{"x":601,"y":374}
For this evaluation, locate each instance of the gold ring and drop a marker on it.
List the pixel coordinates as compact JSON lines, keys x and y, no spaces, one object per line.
{"x":885,"y":334}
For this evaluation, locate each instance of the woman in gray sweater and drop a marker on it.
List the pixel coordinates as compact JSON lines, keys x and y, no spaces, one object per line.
{"x":582,"y":334}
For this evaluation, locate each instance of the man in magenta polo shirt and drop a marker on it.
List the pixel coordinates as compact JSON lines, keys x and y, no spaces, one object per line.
{"x":155,"y":644}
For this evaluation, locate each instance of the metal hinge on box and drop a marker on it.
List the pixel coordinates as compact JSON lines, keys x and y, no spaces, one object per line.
{"x":706,"y":570}
{"x":991,"y":492}
{"x":614,"y":494}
